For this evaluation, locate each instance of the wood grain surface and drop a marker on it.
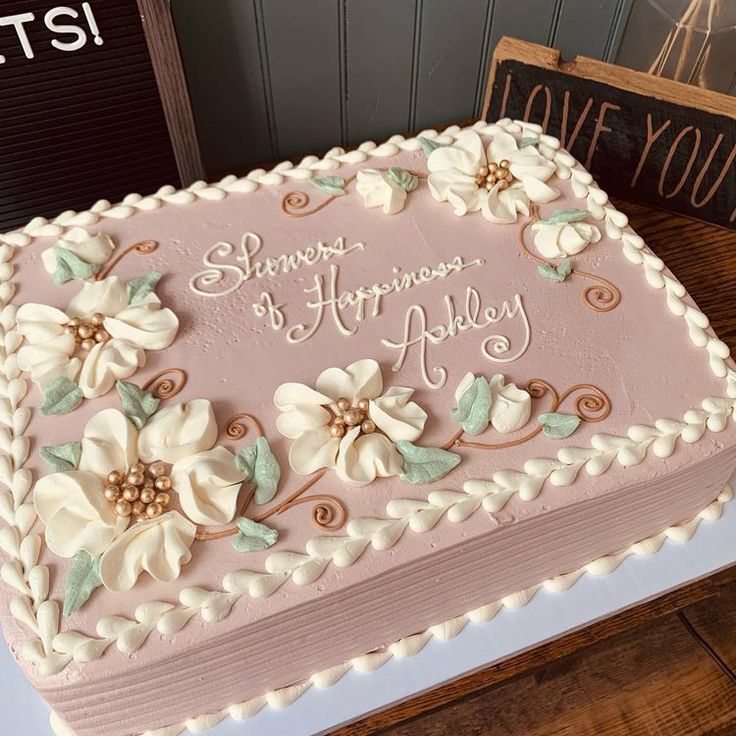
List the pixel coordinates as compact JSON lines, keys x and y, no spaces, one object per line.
{"x":666,"y":668}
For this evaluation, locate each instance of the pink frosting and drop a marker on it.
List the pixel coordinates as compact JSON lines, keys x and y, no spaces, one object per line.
{"x":639,"y":354}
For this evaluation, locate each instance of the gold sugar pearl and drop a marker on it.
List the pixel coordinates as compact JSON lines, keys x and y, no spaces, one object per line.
{"x":368,"y":427}
{"x":131,"y":493}
{"x":86,"y":331}
{"x":115,"y":478}
{"x":353,"y":417}
{"x":154,"y":509}
{"x":163,"y":499}
{"x":98,"y":318}
{"x":135,"y":478}
{"x":343,"y":404}
{"x":148,"y":483}
{"x":156,"y":469}
{"x":148,"y":495}
{"x":88,"y":344}
{"x":69,"y":330}
{"x":102,"y":336}
{"x":363,"y":405}
{"x":112,"y":493}
{"x":137,"y":468}
{"x":337,"y":430}
{"x":163,"y":483}
{"x":141,"y":517}
{"x":138,"y":508}
{"x":123,"y":508}
{"x":504,"y":164}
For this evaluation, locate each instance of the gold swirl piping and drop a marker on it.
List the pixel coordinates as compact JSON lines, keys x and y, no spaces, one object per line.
{"x":143,"y":248}
{"x":236,"y":427}
{"x":602,"y":296}
{"x":166,"y":388}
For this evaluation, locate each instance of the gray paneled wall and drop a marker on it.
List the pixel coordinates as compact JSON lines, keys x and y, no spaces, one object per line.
{"x":275,"y":79}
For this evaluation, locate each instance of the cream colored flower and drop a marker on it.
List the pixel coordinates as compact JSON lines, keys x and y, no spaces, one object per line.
{"x":500,"y":180}
{"x":564,"y":239}
{"x":348,"y":423}
{"x":92,"y":249}
{"x":379,"y":190}
{"x":125,"y":331}
{"x":510,"y":407}
{"x":77,"y":515}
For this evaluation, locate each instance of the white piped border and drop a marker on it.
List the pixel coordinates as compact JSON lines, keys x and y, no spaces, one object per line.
{"x":51,"y":651}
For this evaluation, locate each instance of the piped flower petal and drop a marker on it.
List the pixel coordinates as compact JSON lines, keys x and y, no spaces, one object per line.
{"x":109,"y":443}
{"x":397,"y":416}
{"x":359,"y":380}
{"x":364,"y":458}
{"x":108,"y":297}
{"x":107,"y":363}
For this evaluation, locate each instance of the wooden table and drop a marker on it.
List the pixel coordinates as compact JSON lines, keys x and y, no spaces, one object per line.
{"x":666,"y":668}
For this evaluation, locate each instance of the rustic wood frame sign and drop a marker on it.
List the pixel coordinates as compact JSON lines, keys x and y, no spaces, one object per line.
{"x":82,"y":85}
{"x":644,"y":138}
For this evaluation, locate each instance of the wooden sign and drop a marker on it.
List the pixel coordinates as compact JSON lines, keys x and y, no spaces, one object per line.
{"x":644,"y":138}
{"x":82,"y":116}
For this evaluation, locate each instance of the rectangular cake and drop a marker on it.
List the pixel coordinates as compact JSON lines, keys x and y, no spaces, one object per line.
{"x":258,"y":432}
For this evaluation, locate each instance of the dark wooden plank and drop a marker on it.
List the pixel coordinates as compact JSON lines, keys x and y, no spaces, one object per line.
{"x":379,"y":67}
{"x":304,"y":59}
{"x":543,"y":655}
{"x":449,"y":60}
{"x":222,"y":60}
{"x":649,"y":682}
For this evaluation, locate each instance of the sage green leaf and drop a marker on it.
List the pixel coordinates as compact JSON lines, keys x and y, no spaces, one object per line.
{"x":564,"y":216}
{"x":549,"y":271}
{"x":62,"y":458}
{"x":138,"y":405}
{"x":334,"y":185}
{"x":529,"y":140}
{"x":83,"y":579}
{"x":425,"y":464}
{"x":140,"y":288}
{"x":70,"y":266}
{"x":254,"y":536}
{"x":473,"y":410}
{"x":558,"y":426}
{"x":61,"y":397}
{"x":405,"y":179}
{"x":428,"y":146}
{"x":564,"y":269}
{"x":260,"y":467}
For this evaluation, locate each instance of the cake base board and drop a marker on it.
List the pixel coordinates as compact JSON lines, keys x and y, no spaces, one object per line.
{"x":546,"y":617}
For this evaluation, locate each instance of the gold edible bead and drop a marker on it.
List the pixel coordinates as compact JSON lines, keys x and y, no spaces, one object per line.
{"x":164,"y":499}
{"x":112,"y":493}
{"x":337,"y":430}
{"x":115,"y":478}
{"x":123,"y":508}
{"x":98,"y":318}
{"x":141,"y":517}
{"x":504,"y":164}
{"x":88,"y":344}
{"x":74,"y":322}
{"x":353,"y":417}
{"x":483,"y":171}
{"x":363,"y":405}
{"x":148,"y":483}
{"x":139,"y":508}
{"x":339,"y":421}
{"x":69,"y":330}
{"x":154,"y":510}
{"x":368,"y":427}
{"x":136,"y":478}
{"x":136,"y":467}
{"x":131,"y":493}
{"x":148,"y":495}
{"x":86,"y":331}
{"x":492,"y":167}
{"x":102,"y":336}
{"x":163,"y":483}
{"x":343,"y":404}
{"x":503,"y":184}
{"x":156,"y":469}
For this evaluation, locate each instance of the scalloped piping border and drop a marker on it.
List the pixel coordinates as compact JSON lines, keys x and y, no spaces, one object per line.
{"x":52,"y":651}
{"x":411,"y":645}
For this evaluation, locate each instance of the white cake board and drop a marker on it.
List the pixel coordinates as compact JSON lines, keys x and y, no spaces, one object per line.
{"x":546,"y":617}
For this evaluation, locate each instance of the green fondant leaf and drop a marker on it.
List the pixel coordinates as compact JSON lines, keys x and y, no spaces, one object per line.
{"x":558,"y":426}
{"x":555,"y":273}
{"x":334,"y":185}
{"x":528,"y":140}
{"x":70,"y":266}
{"x":474,"y":408}
{"x":138,"y":405}
{"x":254,"y":536}
{"x":82,"y":581}
{"x":62,"y":457}
{"x":61,"y":397}
{"x":405,"y":179}
{"x":565,"y":268}
{"x":140,"y":288}
{"x":564,"y":216}
{"x":425,"y":464}
{"x":261,"y":468}
{"x":428,"y":146}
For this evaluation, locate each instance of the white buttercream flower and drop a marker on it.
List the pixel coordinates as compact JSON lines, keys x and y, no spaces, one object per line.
{"x":120,"y":334}
{"x":511,"y":406}
{"x":379,"y":190}
{"x":348,"y":423}
{"x":92,"y":249}
{"x":500,"y":180}
{"x":564,"y":239}
{"x":78,"y":516}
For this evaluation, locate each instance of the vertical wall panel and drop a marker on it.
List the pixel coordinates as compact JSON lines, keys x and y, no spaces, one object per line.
{"x":220,"y":51}
{"x":584,"y":27}
{"x":305,"y":64}
{"x":450,"y":49}
{"x":530,"y":20}
{"x":379,"y":45}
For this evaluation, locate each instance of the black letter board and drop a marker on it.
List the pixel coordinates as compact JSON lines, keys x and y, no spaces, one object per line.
{"x":644,"y":138}
{"x":81,"y":118}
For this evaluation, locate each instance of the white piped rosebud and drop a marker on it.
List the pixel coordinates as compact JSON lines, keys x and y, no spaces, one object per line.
{"x":378,"y":190}
{"x":564,"y":239}
{"x":92,"y":249}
